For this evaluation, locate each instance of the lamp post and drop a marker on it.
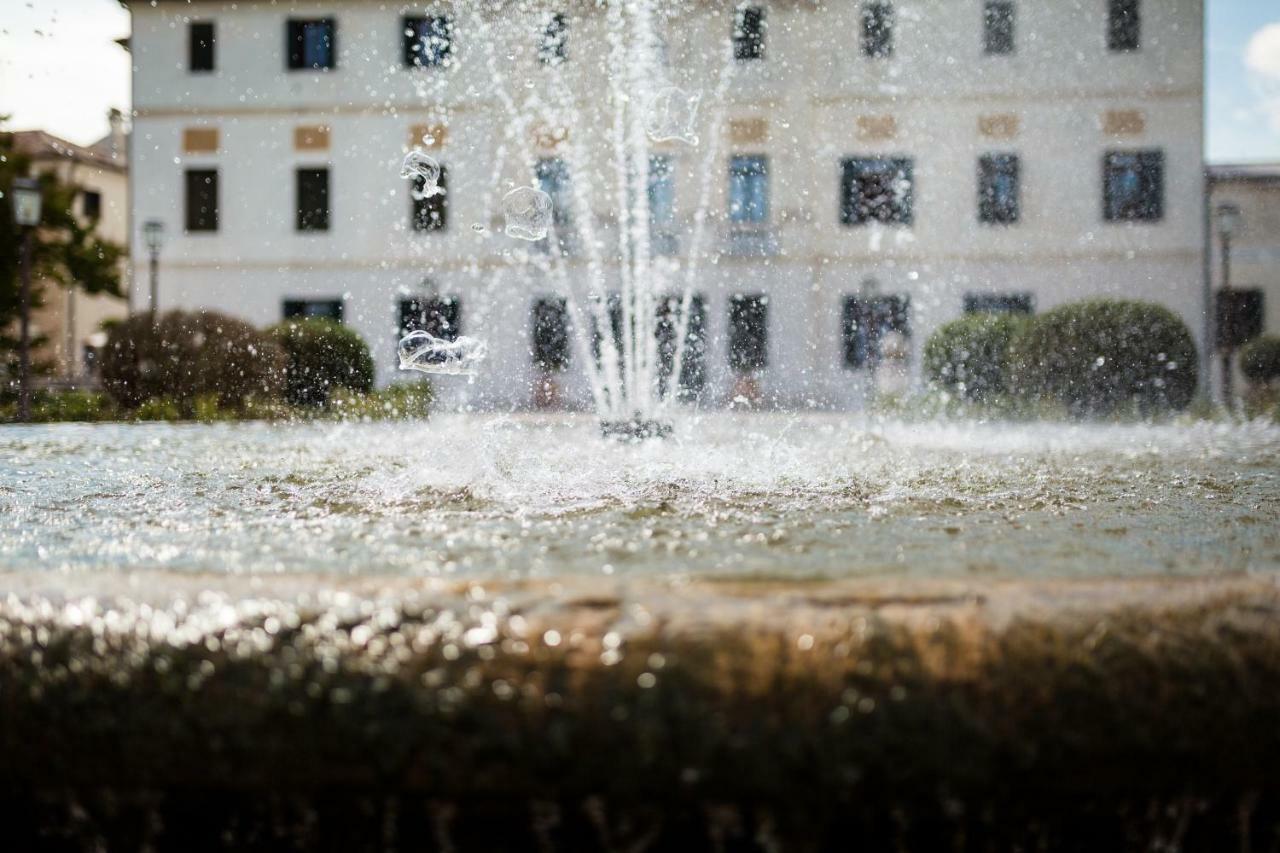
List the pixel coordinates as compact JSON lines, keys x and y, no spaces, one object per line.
{"x":153,"y":233}
{"x":26,"y":215}
{"x":1228,"y":222}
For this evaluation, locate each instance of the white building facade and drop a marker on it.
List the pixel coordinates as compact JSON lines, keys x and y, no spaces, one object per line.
{"x":875,"y":170}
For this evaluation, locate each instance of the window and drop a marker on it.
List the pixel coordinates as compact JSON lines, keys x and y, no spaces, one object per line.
{"x":91,"y":204}
{"x":311,"y":44}
{"x":555,"y":37}
{"x":1133,"y":186}
{"x":662,"y":211}
{"x":430,"y":213}
{"x":748,"y":33}
{"x":999,"y":303}
{"x":1239,"y":316}
{"x":1124,"y":26}
{"x":997,"y":22}
{"x":200,"y":43}
{"x":550,"y":334}
{"x":306,"y":308}
{"x":438,"y":316}
{"x":313,"y":200}
{"x":553,"y":179}
{"x":202,"y":199}
{"x":877,"y":30}
{"x":749,"y":189}
{"x":868,"y":323}
{"x":876,"y":189}
{"x":998,"y":188}
{"x":428,"y":42}
{"x":748,"y":332}
{"x":693,"y":368}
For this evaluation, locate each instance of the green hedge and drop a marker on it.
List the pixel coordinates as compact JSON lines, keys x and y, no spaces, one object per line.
{"x":970,"y":356}
{"x":323,"y":355}
{"x":182,"y":356}
{"x":1260,"y":360}
{"x":1107,"y":356}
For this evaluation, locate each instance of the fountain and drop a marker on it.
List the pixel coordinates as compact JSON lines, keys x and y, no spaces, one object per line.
{"x":633,"y":346}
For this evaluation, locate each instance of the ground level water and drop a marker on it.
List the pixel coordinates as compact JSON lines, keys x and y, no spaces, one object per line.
{"x":761,"y":496}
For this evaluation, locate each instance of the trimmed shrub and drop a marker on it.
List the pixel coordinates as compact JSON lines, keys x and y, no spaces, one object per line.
{"x":971,"y":355}
{"x":181,"y":356}
{"x":322,"y":355}
{"x":1260,"y":360}
{"x":1107,"y":356}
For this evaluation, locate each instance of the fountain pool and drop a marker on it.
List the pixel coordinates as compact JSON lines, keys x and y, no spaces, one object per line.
{"x":730,"y":495}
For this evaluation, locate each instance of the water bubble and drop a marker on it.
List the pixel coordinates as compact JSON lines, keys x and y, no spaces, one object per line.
{"x":426,"y":353}
{"x":528,"y":213}
{"x":670,"y":115}
{"x":477,"y":227}
{"x":419,"y":165}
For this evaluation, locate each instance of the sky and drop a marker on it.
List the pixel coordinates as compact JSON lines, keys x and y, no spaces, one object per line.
{"x":60,"y":70}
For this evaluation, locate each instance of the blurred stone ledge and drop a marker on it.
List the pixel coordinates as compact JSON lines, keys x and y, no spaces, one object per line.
{"x":1025,"y":712}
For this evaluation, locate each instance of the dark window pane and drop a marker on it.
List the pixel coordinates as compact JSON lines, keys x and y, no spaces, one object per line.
{"x":748,"y":33}
{"x":876,"y":189}
{"x":202,"y":199}
{"x":553,"y":179}
{"x":91,"y":204}
{"x":330,"y":309}
{"x":555,"y":38}
{"x":428,"y":42}
{"x":749,"y":189}
{"x":430,"y":213}
{"x":1124,"y":27}
{"x":1133,"y":186}
{"x":313,"y":200}
{"x":998,"y":27}
{"x":311,"y":43}
{"x":1239,"y":316}
{"x":693,"y":368}
{"x":550,"y":334}
{"x":201,"y":38}
{"x":877,"y":30}
{"x":999,"y":303}
{"x":865,"y":322}
{"x":438,"y":316}
{"x":998,"y":188}
{"x":748,"y":332}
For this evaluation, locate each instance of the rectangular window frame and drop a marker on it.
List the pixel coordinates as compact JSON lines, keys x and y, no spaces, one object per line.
{"x":877,"y":34}
{"x":1144,"y":170}
{"x":864,"y":320}
{"x":748,"y":337}
{"x":858,"y":173}
{"x":554,"y":48}
{"x":297,"y":44}
{"x":749,"y":25}
{"x":298,"y":308}
{"x":993,"y":208}
{"x":428,"y":41}
{"x":1021,"y":302}
{"x":999,"y":27}
{"x":200,"y":188}
{"x":429,"y":213}
{"x":438,"y":316}
{"x":549,"y":333}
{"x":748,"y":203}
{"x":201,"y":47}
{"x":91,"y":205}
{"x":1124,"y":26}
{"x":312,"y":216}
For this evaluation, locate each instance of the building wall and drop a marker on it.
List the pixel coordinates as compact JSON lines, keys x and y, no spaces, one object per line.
{"x":1060,"y":101}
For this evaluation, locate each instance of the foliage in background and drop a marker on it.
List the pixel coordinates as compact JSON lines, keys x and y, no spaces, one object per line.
{"x":323,"y":355}
{"x":1260,"y":360}
{"x":1106,"y":357}
{"x":67,"y":251}
{"x":970,"y":356}
{"x":182,"y":356}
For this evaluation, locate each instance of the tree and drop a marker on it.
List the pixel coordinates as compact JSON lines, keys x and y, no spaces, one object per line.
{"x":66,"y":251}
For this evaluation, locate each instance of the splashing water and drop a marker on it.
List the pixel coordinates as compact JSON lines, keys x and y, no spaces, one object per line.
{"x":419,"y":165}
{"x":426,"y":353}
{"x":671,"y":115}
{"x":528,"y":213}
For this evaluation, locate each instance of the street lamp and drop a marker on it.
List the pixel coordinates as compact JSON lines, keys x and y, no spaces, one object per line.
{"x":27,"y":202}
{"x":153,"y":234}
{"x":1228,"y":218}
